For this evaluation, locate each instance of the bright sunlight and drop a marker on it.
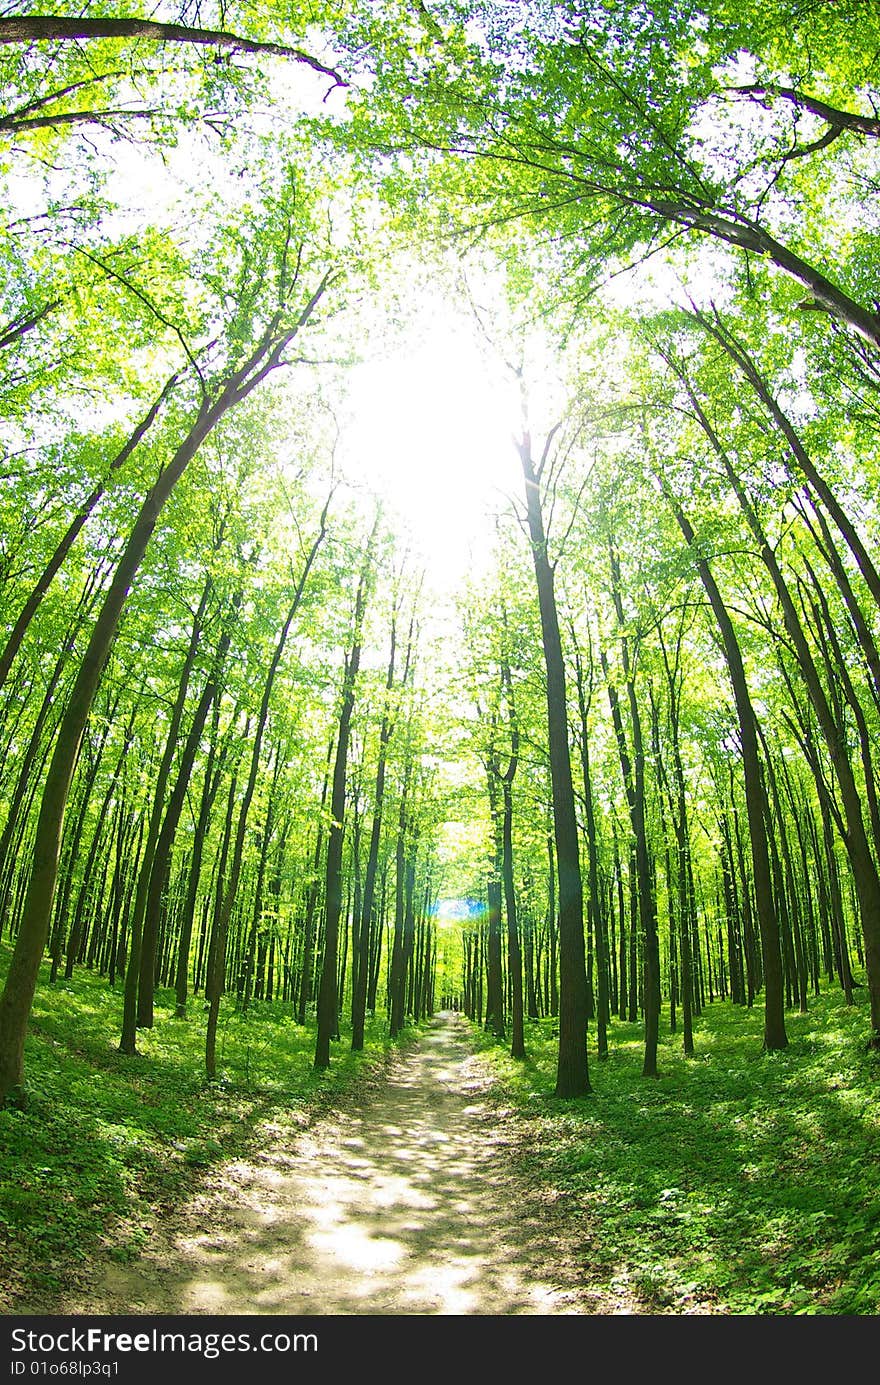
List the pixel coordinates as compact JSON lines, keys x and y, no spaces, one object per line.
{"x":432,"y":430}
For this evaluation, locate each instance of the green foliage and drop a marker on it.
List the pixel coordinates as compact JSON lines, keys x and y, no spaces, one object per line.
{"x":566,"y":141}
{"x":737,"y":1182}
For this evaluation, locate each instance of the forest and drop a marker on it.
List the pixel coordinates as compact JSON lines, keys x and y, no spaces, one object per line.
{"x":579,"y":751}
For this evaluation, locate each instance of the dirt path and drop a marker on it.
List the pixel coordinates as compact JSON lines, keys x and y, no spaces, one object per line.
{"x":406,"y":1203}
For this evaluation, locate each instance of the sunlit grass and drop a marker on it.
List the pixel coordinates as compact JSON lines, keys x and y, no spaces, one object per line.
{"x":107,"y":1140}
{"x":738,"y":1181}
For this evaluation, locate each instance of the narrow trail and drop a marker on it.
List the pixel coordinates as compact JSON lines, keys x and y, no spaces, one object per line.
{"x":407,"y":1202}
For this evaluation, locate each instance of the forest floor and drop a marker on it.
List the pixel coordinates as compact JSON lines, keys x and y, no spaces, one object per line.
{"x":406,"y":1198}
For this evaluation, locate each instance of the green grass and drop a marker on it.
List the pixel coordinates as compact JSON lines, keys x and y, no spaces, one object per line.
{"x":106,"y":1142}
{"x":737,"y":1182}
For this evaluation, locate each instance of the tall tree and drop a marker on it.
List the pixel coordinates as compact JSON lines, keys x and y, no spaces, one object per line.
{"x":217,"y":961}
{"x":572,"y":1071}
{"x":228,"y":388}
{"x":333,"y":893}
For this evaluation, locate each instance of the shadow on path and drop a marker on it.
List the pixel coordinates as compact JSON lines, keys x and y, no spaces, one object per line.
{"x":407,"y":1203}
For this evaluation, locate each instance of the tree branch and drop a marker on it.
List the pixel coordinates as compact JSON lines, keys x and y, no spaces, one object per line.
{"x":844,"y":120}
{"x":61,"y":29}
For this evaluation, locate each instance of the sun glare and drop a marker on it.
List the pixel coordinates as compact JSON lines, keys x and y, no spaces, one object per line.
{"x":450,"y":913}
{"x":431,"y":431}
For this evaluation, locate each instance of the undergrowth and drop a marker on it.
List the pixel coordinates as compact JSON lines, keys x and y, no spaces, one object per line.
{"x":106,"y":1142}
{"x":737,"y":1182}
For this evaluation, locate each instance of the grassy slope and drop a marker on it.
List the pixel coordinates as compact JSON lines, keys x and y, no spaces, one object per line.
{"x":745,"y":1181}
{"x":107,"y":1141}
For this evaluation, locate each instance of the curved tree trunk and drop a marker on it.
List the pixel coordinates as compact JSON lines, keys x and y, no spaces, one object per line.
{"x":21,"y":980}
{"x":69,"y":537}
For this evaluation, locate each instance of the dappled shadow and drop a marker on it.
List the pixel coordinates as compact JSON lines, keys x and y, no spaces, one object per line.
{"x":405,"y":1204}
{"x":748,"y":1182}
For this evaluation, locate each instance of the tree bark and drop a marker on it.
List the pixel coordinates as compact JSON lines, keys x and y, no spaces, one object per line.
{"x":59,"y":29}
{"x":775,"y":1036}
{"x":572,"y":1072}
{"x":327,"y":986}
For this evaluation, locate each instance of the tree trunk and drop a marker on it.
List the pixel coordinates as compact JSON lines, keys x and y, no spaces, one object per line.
{"x":21,"y":980}
{"x":217,"y":973}
{"x":774,"y":1008}
{"x":304,"y":997}
{"x":138,"y":1002}
{"x":594,"y":906}
{"x":210,"y":785}
{"x":572,"y":1072}
{"x":365,"y":937}
{"x":397,"y":973}
{"x":636,"y":798}
{"x":68,"y":539}
{"x":327,"y":987}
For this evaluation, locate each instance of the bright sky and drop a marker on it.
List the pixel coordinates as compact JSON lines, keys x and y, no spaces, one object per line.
{"x":433,"y":433}
{"x":431,"y":422}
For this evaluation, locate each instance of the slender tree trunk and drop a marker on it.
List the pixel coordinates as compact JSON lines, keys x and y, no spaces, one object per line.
{"x":24,"y":781}
{"x":636,"y":797}
{"x":397,"y":974}
{"x":246,"y":981}
{"x":774,"y":1009}
{"x":865,"y":875}
{"x":572,"y":1073}
{"x":217,"y":973}
{"x":327,"y":988}
{"x":67,"y":541}
{"x":376,"y":954}
{"x":304,"y":997}
{"x":677,"y":797}
{"x":213,"y":985}
{"x":138,"y":1002}
{"x":494,"y":1019}
{"x":737,"y":353}
{"x":75,"y":938}
{"x":514,"y":953}
{"x":594,"y":905}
